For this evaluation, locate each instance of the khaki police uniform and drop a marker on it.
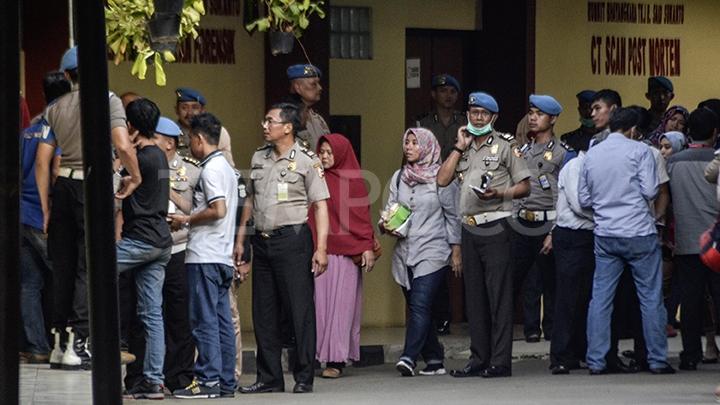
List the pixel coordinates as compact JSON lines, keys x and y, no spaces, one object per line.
{"x":446,"y":135}
{"x":283,"y":188}
{"x":486,"y":248}
{"x":67,"y":218}
{"x":315,"y":128}
{"x":535,"y":272}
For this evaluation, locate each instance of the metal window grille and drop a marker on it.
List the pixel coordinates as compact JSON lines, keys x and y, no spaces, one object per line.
{"x":350,"y":33}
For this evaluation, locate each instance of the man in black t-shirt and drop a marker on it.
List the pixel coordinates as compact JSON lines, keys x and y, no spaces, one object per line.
{"x":146,"y":244}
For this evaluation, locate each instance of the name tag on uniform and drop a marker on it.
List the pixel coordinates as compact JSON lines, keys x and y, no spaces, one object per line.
{"x":282,"y":192}
{"x":544,"y":182}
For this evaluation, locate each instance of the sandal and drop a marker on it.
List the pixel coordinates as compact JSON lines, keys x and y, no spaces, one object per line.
{"x":331,"y":373}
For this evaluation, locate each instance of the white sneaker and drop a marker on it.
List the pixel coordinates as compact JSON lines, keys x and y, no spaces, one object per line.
{"x":405,"y":368}
{"x":56,"y":356}
{"x":434,"y":369}
{"x":70,"y":359}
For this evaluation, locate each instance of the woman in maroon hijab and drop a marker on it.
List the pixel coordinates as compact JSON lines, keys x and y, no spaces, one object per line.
{"x":338,"y":293}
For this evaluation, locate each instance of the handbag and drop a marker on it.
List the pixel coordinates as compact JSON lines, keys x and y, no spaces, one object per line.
{"x":377,"y":251}
{"x":709,"y":247}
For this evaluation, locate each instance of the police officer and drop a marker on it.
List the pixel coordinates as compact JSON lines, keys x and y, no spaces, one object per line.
{"x":579,"y":139}
{"x":286,"y":179}
{"x":491,"y":176}
{"x":306,"y":89}
{"x":534,"y":263}
{"x":189,"y":102}
{"x":180,"y":349}
{"x":444,"y":120}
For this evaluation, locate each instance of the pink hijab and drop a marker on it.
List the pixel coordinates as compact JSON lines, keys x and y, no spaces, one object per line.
{"x":426,"y":168}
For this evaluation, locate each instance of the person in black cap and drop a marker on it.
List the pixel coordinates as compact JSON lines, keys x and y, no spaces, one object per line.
{"x":660,"y":93}
{"x":444,"y":120}
{"x":579,"y":139}
{"x":189,"y":104}
{"x":305,"y":90}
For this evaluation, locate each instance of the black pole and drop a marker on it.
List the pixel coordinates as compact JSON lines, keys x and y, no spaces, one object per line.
{"x":99,"y":224}
{"x":9,"y":199}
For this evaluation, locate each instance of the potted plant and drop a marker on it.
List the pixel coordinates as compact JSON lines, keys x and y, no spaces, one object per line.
{"x":149,"y":31}
{"x":286,"y":20}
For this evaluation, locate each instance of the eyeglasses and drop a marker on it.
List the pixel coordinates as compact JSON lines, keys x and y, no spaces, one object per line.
{"x":269,"y":121}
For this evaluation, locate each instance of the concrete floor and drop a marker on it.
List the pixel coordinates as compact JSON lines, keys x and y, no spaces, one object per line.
{"x":531,"y":384}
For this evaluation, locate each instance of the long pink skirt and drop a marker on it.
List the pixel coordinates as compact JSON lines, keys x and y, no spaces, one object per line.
{"x":338,"y":311}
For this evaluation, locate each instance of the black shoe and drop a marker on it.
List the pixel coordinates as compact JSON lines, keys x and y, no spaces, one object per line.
{"x":466,"y":372}
{"x":82,"y":349}
{"x":559,"y":369}
{"x":618,"y":367}
{"x":641,"y":365}
{"x":197,"y":390}
{"x":443,"y":328}
{"x":496,"y":371}
{"x":628,"y":354}
{"x":601,"y":371}
{"x":302,"y":388}
{"x":260,"y":388}
{"x":534,"y":338}
{"x":146,"y":390}
{"x":667,"y":369}
{"x":688,"y":365}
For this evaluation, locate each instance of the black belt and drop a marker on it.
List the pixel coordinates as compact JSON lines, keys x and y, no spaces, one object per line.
{"x":281,"y":231}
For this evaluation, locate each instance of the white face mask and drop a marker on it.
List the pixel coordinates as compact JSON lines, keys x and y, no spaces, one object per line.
{"x":479,"y":131}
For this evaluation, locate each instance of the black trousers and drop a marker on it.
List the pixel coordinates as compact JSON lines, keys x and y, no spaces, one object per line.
{"x":66,"y":248}
{"x":282,"y":278}
{"x":694,"y":279}
{"x":179,"y":344}
{"x":534,"y":275}
{"x":488,"y":293}
{"x":441,"y":304}
{"x":627,"y":320}
{"x":575,"y":266}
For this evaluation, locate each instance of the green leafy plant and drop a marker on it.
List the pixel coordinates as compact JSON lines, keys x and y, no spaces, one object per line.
{"x":287,"y":16}
{"x":126,"y":30}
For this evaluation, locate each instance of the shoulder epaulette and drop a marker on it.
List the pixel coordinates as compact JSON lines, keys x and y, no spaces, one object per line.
{"x":506,"y":137}
{"x":308,"y":152}
{"x":567,"y":147}
{"x":191,"y":160}
{"x":267,"y":145}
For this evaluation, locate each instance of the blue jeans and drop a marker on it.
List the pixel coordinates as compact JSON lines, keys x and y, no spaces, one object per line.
{"x":148,"y":263}
{"x":642,"y":255}
{"x":420,"y":335}
{"x":211,"y":323}
{"x":34,"y":264}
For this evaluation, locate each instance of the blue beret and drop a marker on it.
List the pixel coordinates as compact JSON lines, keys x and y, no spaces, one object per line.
{"x":585,"y":96}
{"x":445,"y":80}
{"x":484,"y":100}
{"x":69,"y":60}
{"x":546,"y":104}
{"x":168,"y":127}
{"x":188,"y":94}
{"x":302,"y":71}
{"x":660,"y":81}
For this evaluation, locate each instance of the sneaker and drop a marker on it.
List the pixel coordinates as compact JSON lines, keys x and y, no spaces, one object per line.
{"x":70,"y":358}
{"x":81,"y":347}
{"x":197,"y":390}
{"x":405,"y":368}
{"x":433,"y":369}
{"x":147,"y":390}
{"x":57,"y":353}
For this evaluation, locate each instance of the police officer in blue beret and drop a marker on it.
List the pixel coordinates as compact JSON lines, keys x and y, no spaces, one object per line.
{"x":444,"y":119}
{"x":491,"y":174}
{"x":660,"y":92}
{"x":579,"y":139}
{"x":190,"y":102}
{"x":532,"y":244}
{"x":305,"y":89}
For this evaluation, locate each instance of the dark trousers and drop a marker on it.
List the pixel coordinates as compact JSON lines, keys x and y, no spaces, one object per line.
{"x":282,"y":278}
{"x":35,"y":267}
{"x":488,"y":293}
{"x":534,"y":275}
{"x":627,"y":320}
{"x":66,"y":248}
{"x":179,"y":344}
{"x":441,"y":304}
{"x":420,"y":334}
{"x":694,"y":279}
{"x":575,"y":266}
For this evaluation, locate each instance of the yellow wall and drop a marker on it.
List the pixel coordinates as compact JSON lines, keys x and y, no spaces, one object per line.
{"x":563,"y":36}
{"x":375,"y":90}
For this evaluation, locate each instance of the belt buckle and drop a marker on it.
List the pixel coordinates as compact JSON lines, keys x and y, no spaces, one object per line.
{"x":264,"y":235}
{"x":530,"y":216}
{"x":470,"y":219}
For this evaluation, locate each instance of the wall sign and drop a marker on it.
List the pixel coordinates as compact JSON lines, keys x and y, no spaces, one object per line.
{"x":412,"y":73}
